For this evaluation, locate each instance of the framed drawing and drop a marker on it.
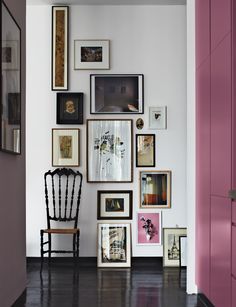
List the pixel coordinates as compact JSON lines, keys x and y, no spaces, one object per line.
{"x":116,"y":94}
{"x":114,"y":245}
{"x":157,"y":117}
{"x":145,"y":150}
{"x":149,"y":228}
{"x":91,"y":54}
{"x":70,"y":108}
{"x":171,"y":256}
{"x":109,"y":150}
{"x":155,"y":189}
{"x":60,"y":19}
{"x":65,"y":147}
{"x":115,"y":205}
{"x":183,"y":251}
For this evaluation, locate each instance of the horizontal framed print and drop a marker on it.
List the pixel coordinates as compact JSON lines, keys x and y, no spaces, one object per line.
{"x":183,"y":251}
{"x":114,"y":245}
{"x":70,"y":108}
{"x":157,"y":117}
{"x":115,"y":205}
{"x":65,"y":147}
{"x":155,"y":189}
{"x":109,"y":150}
{"x":171,"y":255}
{"x":116,"y":94}
{"x":91,"y":54}
{"x":145,"y":150}
{"x":149,"y":228}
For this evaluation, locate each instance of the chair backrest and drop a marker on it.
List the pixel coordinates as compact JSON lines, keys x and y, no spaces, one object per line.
{"x":62,"y":195}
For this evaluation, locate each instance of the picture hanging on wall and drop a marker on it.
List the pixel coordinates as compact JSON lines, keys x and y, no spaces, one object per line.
{"x":139,"y":123}
{"x":109,"y":150}
{"x":157,"y":117}
{"x":116,"y":94}
{"x":145,"y":150}
{"x":149,"y":228}
{"x":70,"y":108}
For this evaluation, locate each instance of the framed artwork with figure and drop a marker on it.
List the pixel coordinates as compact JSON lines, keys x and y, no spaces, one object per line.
{"x":70,"y":108}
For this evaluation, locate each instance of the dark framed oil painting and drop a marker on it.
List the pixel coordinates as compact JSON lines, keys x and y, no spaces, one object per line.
{"x":70,"y":108}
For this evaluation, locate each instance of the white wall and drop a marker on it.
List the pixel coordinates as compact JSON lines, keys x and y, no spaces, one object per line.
{"x":144,"y":39}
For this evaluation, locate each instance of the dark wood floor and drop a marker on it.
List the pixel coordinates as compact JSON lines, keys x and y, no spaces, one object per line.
{"x":62,"y":284}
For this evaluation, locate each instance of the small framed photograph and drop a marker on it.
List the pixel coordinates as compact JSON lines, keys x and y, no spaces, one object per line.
{"x":183,"y":251}
{"x":65,"y":147}
{"x":91,"y":54}
{"x":157,"y":117}
{"x":115,"y":205}
{"x":155,"y":189}
{"x":116,"y":94}
{"x":14,"y":111}
{"x":149,"y":228}
{"x":70,"y":108}
{"x":145,"y":150}
{"x":10,"y":55}
{"x":171,"y":255}
{"x":114,"y":245}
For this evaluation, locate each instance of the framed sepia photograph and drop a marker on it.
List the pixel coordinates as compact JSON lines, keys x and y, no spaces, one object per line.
{"x":149,"y":228}
{"x":109,"y":150}
{"x":65,"y":147}
{"x":155,"y":189}
{"x":114,"y":245}
{"x":91,"y":54}
{"x":157,"y":117}
{"x":115,"y":205}
{"x":70,"y":108}
{"x":116,"y":94}
{"x":145,"y":150}
{"x":171,"y":255}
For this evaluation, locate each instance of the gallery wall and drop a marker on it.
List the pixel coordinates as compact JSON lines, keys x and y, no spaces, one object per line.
{"x":149,"y":40}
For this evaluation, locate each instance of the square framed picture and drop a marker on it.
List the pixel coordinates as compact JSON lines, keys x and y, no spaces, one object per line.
{"x":70,"y":108}
{"x":114,"y":245}
{"x":155,"y":189}
{"x":145,"y":150}
{"x":157,"y":117}
{"x":91,"y":54}
{"x":109,"y":150}
{"x":183,"y":251}
{"x":116,"y":94}
{"x":115,"y":205}
{"x":65,"y":147}
{"x":10,"y":55}
{"x":149,"y":228}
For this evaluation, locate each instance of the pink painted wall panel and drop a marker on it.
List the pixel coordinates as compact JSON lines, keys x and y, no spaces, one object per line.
{"x":233,"y":292}
{"x":234,"y":98}
{"x":234,"y":214}
{"x":234,"y":251}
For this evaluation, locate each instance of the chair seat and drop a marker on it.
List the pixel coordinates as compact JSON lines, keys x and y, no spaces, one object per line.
{"x":62,"y":230}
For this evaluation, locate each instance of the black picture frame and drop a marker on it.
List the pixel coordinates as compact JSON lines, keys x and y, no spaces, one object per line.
{"x":149,"y":152}
{"x":70,"y":108}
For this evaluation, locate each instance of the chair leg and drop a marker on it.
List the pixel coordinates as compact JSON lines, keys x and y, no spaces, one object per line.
{"x":77,"y":244}
{"x":41,"y":245}
{"x":74,"y":245}
{"x":49,"y":245}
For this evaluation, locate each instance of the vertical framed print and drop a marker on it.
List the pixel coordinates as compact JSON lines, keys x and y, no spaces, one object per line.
{"x":145,"y":150}
{"x":70,"y":108}
{"x":149,"y":228}
{"x":157,"y":117}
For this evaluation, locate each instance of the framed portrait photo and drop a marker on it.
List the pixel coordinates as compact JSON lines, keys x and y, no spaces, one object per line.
{"x":116,"y":94}
{"x":157,"y":117}
{"x":70,"y":108}
{"x":114,"y":245}
{"x":109,"y":150}
{"x":145,"y":150}
{"x":149,"y":228}
{"x":65,"y":147}
{"x":115,"y":205}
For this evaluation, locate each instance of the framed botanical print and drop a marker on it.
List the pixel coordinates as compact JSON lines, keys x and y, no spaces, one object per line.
{"x":157,"y":117}
{"x":145,"y":150}
{"x":109,"y":150}
{"x":149,"y":228}
{"x":70,"y":108}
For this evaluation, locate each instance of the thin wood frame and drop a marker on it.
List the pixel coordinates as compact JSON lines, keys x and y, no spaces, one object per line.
{"x":153,"y":151}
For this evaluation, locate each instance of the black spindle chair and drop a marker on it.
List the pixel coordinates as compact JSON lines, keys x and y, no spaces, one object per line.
{"x":62,"y":196}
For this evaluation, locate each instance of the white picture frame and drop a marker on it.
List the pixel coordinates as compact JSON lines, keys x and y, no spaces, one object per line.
{"x":158,"y":118}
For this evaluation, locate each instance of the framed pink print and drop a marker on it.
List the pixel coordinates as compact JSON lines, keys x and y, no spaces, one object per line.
{"x":149,"y":228}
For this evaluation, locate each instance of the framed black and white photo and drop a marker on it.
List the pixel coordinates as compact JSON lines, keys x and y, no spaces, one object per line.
{"x":145,"y":150}
{"x":157,"y":117}
{"x":183,"y":251}
{"x":116,"y":94}
{"x":70,"y":108}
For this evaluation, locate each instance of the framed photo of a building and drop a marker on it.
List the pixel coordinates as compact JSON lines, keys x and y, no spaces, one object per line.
{"x":145,"y":150}
{"x":70,"y":108}
{"x":149,"y":228}
{"x":158,"y":117}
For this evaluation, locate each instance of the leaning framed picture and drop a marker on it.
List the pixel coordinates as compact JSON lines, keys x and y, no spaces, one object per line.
{"x":171,"y":255}
{"x":70,"y":108}
{"x":145,"y":150}
{"x":114,"y":245}
{"x":91,"y":54}
{"x":183,"y":251}
{"x":149,"y":228}
{"x":114,"y":205}
{"x":109,"y":150}
{"x":157,"y":117}
{"x":116,"y":94}
{"x":65,"y":147}
{"x":155,"y":189}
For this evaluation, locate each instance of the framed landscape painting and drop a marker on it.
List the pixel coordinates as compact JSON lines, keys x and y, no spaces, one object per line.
{"x":145,"y":150}
{"x":149,"y":228}
{"x":70,"y":108}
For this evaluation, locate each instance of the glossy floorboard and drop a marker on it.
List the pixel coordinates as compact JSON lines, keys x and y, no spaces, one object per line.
{"x":65,"y":285}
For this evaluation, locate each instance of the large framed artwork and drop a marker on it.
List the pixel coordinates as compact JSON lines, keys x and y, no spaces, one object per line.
{"x":114,"y":245}
{"x":116,"y":94}
{"x":149,"y":228}
{"x":70,"y":108}
{"x":145,"y":150}
{"x":109,"y":150}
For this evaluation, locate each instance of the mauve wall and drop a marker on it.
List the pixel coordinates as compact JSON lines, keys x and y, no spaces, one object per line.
{"x":12,"y":197}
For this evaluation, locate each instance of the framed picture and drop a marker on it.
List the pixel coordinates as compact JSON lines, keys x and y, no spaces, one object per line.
{"x":157,"y":117}
{"x":60,"y":19}
{"x":10,"y":55}
{"x":109,"y":150}
{"x":139,"y":123}
{"x":14,"y":109}
{"x":114,"y":245}
{"x":145,"y":150}
{"x":171,"y":236}
{"x":183,"y":251}
{"x":115,"y":205}
{"x":70,"y":108}
{"x":155,"y":189}
{"x":65,"y":147}
{"x":149,"y":228}
{"x":116,"y":94}
{"x":91,"y":54}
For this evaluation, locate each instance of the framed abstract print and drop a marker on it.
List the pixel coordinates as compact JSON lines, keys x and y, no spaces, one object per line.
{"x":109,"y":150}
{"x":157,"y":117}
{"x":70,"y":108}
{"x":145,"y":150}
{"x":149,"y":228}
